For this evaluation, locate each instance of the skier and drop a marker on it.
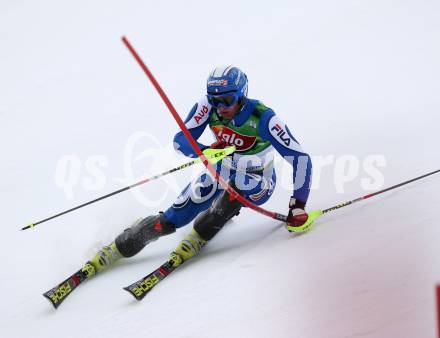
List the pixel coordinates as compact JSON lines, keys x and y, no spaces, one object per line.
{"x":255,"y":131}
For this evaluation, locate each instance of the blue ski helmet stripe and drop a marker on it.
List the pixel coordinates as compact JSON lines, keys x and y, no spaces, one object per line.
{"x":220,"y":71}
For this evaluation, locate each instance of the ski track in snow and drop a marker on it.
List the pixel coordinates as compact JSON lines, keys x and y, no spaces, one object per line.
{"x":348,"y":77}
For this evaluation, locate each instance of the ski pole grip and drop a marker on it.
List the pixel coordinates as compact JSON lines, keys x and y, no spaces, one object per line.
{"x":215,"y":155}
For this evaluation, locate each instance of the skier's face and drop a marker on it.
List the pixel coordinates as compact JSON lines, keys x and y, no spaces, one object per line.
{"x":228,"y":113}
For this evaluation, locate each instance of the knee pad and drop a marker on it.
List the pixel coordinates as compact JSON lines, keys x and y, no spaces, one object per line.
{"x":135,"y":238}
{"x":211,"y":221}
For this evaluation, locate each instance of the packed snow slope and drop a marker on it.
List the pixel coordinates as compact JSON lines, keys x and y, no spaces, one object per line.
{"x":352,"y":79}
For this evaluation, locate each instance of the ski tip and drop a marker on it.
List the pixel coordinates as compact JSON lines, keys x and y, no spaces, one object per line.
{"x":46,"y":295}
{"x":127,"y":288}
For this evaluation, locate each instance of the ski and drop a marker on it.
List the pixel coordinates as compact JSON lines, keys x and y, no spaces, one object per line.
{"x":144,"y":285}
{"x":60,"y":292}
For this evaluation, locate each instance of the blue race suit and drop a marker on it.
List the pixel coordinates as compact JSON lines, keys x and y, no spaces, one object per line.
{"x":255,"y":131}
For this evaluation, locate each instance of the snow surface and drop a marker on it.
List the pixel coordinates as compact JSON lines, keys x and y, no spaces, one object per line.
{"x":354,"y":78}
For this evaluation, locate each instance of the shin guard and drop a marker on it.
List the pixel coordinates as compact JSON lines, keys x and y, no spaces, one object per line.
{"x":135,"y":238}
{"x":210,"y":222}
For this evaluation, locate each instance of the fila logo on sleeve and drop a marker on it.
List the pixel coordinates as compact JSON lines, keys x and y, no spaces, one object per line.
{"x":282,"y":135}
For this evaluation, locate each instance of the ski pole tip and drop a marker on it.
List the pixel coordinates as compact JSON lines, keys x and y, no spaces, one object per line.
{"x":29,"y":226}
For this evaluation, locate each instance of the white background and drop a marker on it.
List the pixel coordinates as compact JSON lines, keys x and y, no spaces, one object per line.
{"x":349,"y":77}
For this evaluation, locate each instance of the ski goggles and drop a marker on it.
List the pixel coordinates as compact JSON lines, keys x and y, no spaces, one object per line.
{"x":225,"y":100}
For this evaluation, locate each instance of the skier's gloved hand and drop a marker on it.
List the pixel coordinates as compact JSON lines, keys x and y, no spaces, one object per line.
{"x":297,"y":219}
{"x":219,"y":144}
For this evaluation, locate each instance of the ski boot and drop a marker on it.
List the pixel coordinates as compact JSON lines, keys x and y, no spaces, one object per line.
{"x":104,"y":258}
{"x":189,"y":247}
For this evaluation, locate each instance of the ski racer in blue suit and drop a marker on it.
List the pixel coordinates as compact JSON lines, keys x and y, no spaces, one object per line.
{"x":255,"y":131}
